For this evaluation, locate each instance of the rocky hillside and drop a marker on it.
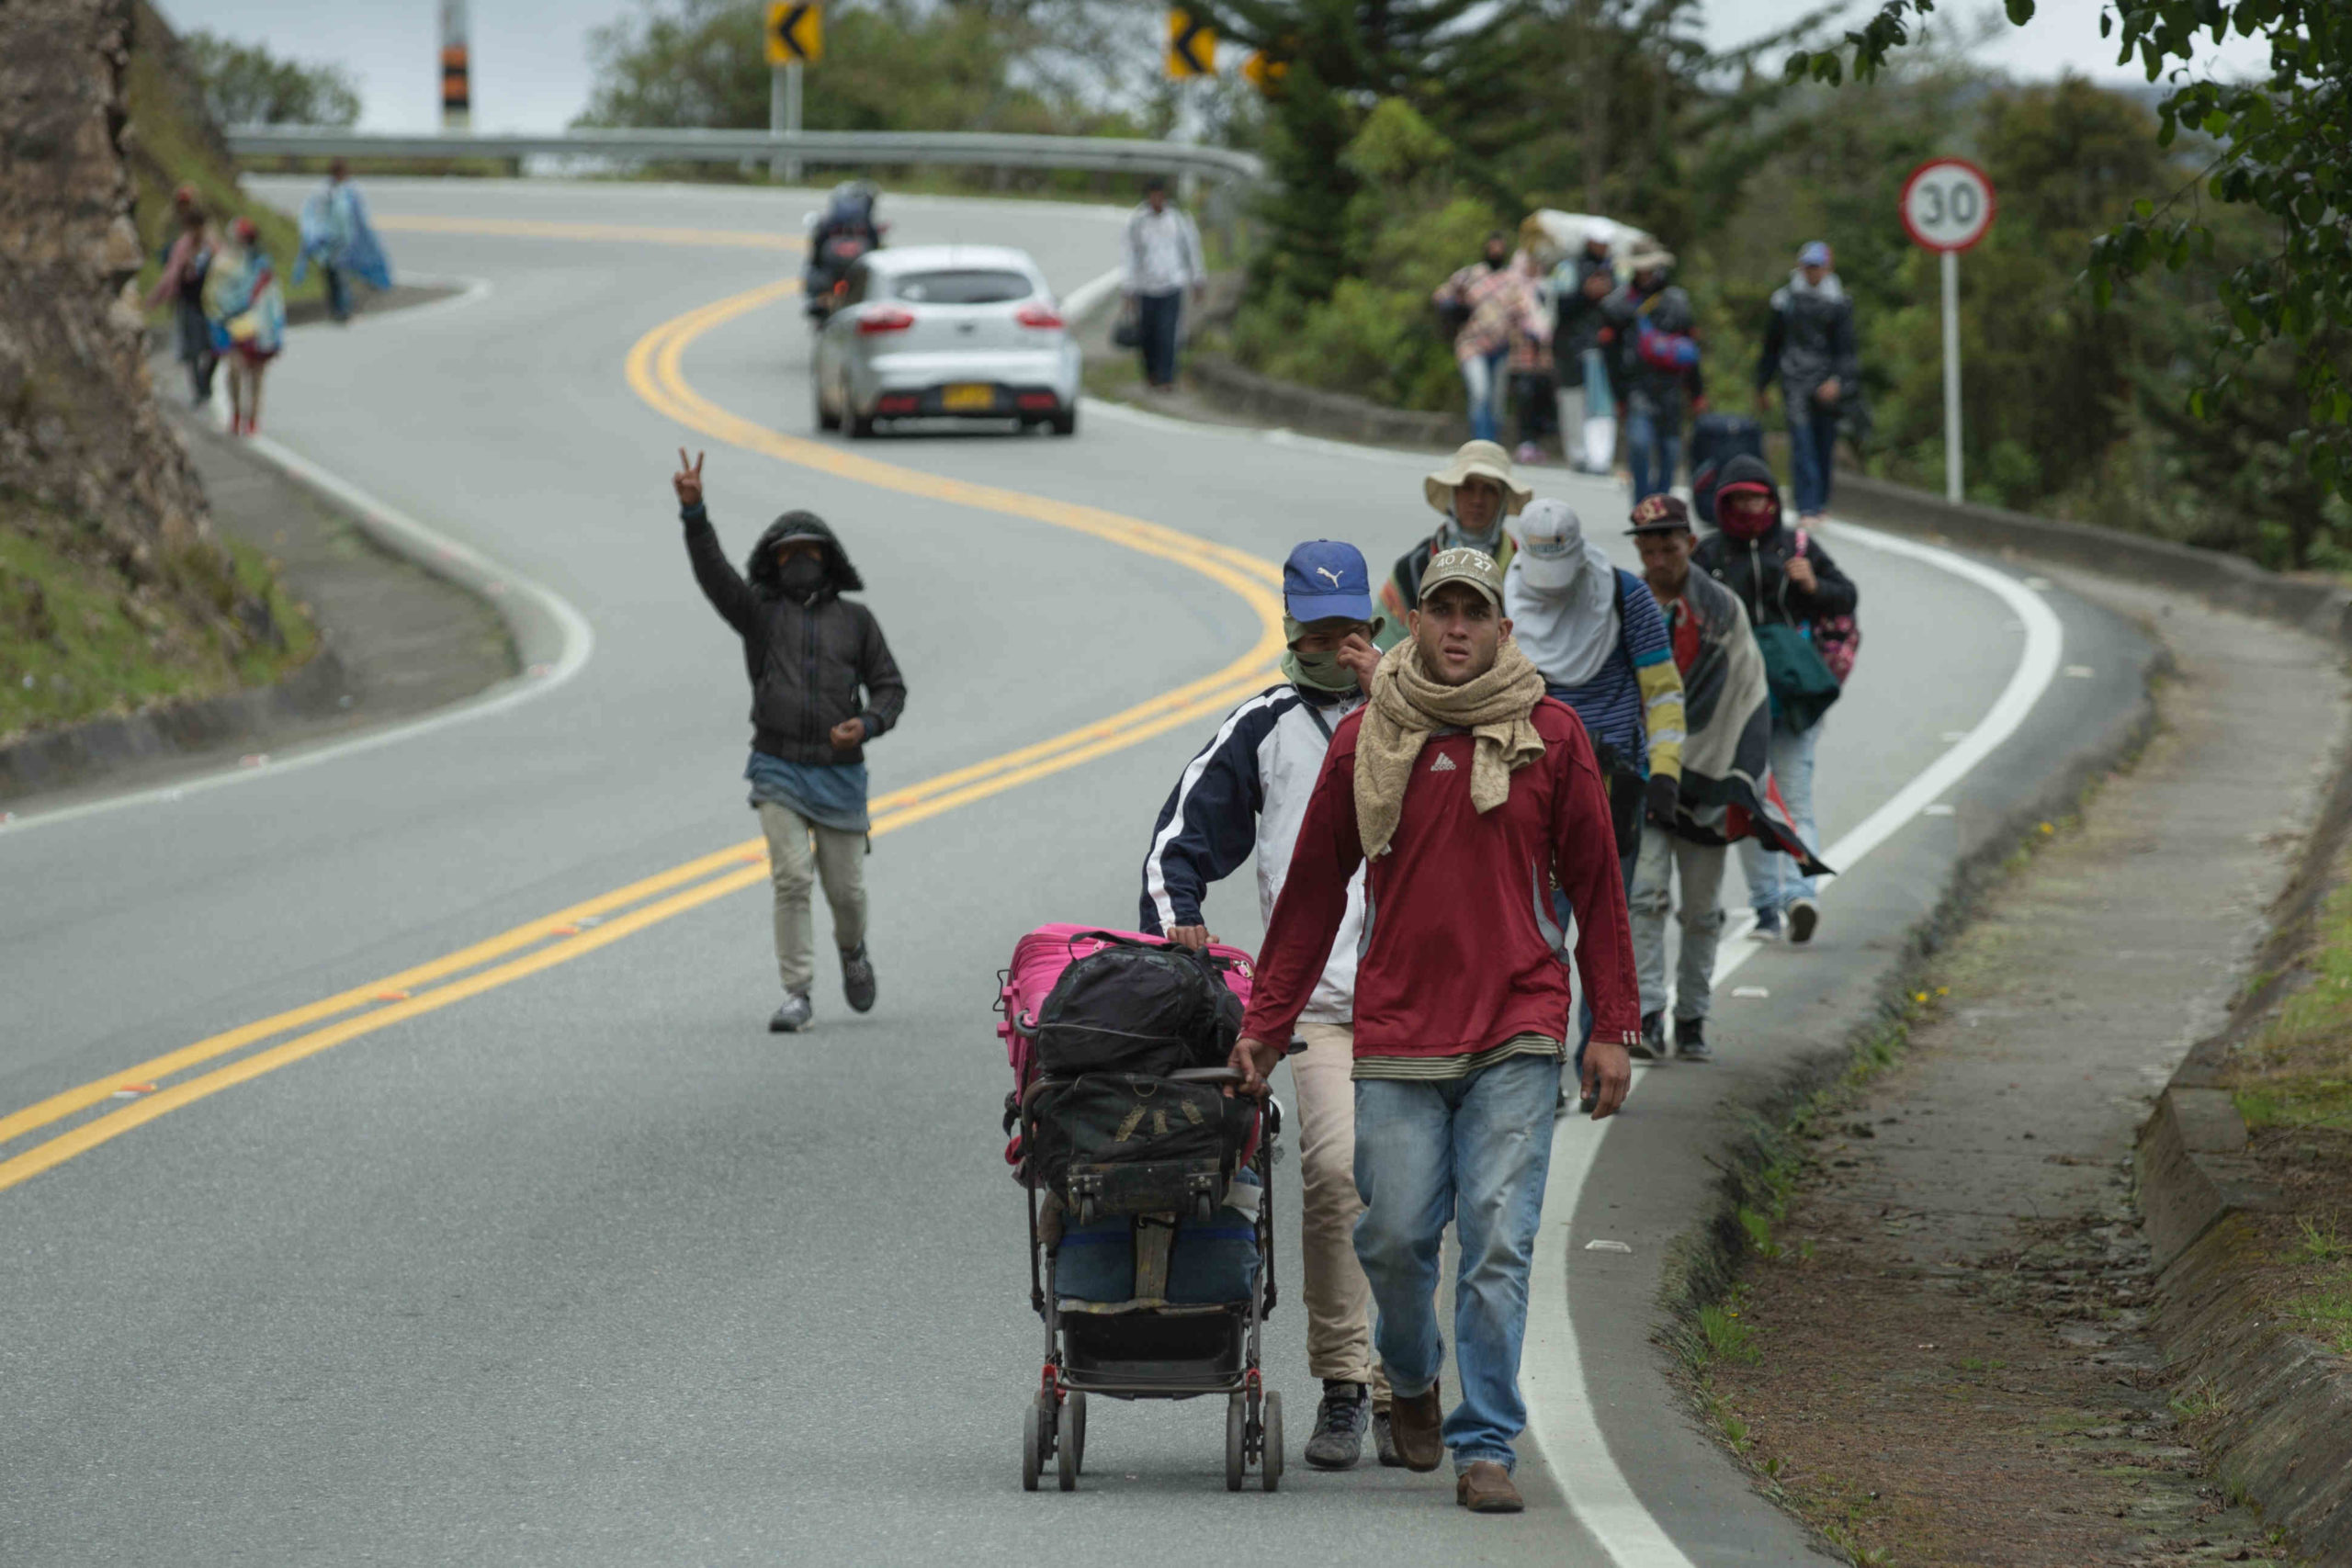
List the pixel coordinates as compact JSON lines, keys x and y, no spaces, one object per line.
{"x":100,"y":509}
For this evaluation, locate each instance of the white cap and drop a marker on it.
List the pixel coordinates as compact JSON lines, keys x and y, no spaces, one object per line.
{"x":1550,"y":545}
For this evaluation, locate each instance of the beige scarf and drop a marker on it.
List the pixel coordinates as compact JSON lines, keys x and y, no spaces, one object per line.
{"x":1406,"y":706}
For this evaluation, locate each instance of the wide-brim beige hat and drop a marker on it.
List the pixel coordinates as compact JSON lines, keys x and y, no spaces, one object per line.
{"x":1476,"y":459}
{"x":1649,"y":254}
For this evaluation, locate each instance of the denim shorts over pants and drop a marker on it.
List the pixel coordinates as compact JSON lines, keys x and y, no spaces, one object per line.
{"x":1474,"y":1151}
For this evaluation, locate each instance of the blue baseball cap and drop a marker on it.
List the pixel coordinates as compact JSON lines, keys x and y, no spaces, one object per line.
{"x":1325,"y":580}
{"x":1814,"y":253}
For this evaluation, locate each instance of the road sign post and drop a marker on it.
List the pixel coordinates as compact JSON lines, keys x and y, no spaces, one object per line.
{"x":1947,"y":206}
{"x":793,"y":36}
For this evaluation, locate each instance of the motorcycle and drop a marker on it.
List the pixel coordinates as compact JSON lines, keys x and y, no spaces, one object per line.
{"x":837,"y":238}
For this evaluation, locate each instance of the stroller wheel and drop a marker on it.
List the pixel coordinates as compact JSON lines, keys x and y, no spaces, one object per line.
{"x":1032,"y":1446}
{"x":1076,"y":1410}
{"x":1236,"y":1434}
{"x":1269,"y":1461}
{"x":1065,"y":1461}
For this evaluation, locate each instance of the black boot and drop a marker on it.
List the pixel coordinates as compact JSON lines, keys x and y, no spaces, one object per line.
{"x":1690,"y":1040}
{"x":1651,"y":1046}
{"x":1338,"y":1439}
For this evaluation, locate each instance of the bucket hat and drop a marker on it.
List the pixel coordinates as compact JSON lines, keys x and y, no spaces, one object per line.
{"x":1647,"y":254}
{"x":1475,"y":459}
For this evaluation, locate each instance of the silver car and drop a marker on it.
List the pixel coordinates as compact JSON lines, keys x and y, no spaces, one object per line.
{"x":945,"y":331}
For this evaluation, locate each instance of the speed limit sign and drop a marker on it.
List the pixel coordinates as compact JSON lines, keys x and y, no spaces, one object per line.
{"x":1947,"y":204}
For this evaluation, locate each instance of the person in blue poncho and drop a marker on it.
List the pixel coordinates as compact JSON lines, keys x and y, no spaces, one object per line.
{"x":246,"y":312}
{"x":337,"y":236}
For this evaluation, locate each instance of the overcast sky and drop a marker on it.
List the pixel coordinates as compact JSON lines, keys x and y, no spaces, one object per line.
{"x":531,"y":69}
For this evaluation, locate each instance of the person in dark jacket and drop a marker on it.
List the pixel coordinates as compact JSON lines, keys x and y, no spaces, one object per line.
{"x":1810,"y":349}
{"x":1756,"y":555}
{"x":824,"y":684}
{"x":1654,"y":338}
{"x":1581,"y":285}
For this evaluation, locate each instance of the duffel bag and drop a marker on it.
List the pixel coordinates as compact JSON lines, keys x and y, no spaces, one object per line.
{"x":1130,"y":1143}
{"x":1137,"y":1007}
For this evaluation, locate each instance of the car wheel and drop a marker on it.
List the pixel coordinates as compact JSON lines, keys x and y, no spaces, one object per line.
{"x":861,"y":427}
{"x":826,"y":418}
{"x":1066,"y":423}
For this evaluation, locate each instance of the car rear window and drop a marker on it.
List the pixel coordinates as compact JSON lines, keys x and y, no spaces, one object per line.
{"x":962,"y":288}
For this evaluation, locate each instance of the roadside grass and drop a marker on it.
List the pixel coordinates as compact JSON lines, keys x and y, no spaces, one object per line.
{"x":78,"y":640}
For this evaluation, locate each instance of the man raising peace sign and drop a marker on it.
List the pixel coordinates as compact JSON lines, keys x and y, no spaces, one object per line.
{"x":810,"y":654}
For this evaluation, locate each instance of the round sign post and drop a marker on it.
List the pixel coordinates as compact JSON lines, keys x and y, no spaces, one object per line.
{"x":1947,"y":206}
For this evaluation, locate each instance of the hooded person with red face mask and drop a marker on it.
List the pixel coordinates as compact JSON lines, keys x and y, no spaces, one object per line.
{"x":1788,"y":585}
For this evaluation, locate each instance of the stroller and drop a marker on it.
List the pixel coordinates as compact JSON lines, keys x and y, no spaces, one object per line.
{"x":1150,"y":1192}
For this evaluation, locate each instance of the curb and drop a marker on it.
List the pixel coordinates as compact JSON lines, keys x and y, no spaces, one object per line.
{"x":93,"y":748}
{"x":1334,"y":415}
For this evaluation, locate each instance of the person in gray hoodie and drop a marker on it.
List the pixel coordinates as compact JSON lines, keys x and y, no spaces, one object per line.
{"x":824,"y":684}
{"x":1810,"y":349}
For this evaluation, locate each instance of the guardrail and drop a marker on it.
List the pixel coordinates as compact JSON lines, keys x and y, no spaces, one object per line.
{"x":837,"y":147}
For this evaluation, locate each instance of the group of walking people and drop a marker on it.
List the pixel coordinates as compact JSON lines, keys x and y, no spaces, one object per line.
{"x":228,"y":306}
{"x":1569,"y":344}
{"x":1512,"y":740}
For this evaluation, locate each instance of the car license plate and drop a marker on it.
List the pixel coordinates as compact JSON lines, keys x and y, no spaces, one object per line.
{"x":967,"y":397}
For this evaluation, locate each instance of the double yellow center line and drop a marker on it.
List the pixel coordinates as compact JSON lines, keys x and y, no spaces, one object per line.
{"x":106,"y":1108}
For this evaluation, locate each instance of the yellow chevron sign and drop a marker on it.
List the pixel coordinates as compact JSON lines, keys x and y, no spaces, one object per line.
{"x":794,"y":32}
{"x":1191,"y":46}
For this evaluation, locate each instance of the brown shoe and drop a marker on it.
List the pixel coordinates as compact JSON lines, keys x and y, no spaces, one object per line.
{"x":1486,"y":1488}
{"x":1414,"y":1422}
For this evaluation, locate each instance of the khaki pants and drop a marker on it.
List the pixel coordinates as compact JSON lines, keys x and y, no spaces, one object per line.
{"x":1338,"y":1299}
{"x":800,"y":853}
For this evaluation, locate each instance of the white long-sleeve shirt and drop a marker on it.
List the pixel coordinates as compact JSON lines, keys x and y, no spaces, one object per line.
{"x":1163,"y":253}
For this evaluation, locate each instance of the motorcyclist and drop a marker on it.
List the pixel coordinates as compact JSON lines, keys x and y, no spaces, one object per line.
{"x":844,"y":231}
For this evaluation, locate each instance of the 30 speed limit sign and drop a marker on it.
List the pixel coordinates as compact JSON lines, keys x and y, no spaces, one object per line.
{"x":1947,"y":204}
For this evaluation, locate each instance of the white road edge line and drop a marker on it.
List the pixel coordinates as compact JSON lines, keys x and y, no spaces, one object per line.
{"x":437,"y":553}
{"x":1560,"y":1413}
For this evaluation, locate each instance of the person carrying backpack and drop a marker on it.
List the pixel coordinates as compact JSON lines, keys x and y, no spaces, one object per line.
{"x":1655,"y":338}
{"x":1246,"y":793}
{"x":810,"y":653}
{"x":1802,"y":608}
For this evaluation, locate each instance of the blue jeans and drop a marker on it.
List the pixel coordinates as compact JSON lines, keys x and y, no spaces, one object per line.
{"x":1482,"y":379}
{"x":1474,"y":1151}
{"x":1654,"y":448}
{"x":1812,"y":437}
{"x":1157,"y":317}
{"x":1773,"y":882}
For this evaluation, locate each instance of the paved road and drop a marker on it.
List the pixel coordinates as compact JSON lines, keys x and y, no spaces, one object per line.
{"x":573,"y":1262}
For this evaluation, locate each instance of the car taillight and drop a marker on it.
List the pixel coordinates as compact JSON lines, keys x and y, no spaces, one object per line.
{"x":1038,"y":316}
{"x":885,"y":319}
{"x":1037,"y":402}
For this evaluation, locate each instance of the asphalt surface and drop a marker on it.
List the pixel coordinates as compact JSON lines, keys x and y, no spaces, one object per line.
{"x":584,"y":1266}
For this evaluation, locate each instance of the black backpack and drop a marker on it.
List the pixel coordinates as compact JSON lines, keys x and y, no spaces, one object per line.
{"x":1134,"y":1007}
{"x":1130,"y":1143}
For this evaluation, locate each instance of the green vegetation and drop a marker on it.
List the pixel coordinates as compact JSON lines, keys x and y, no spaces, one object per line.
{"x":2274,"y":149}
{"x":243,"y":84}
{"x":2298,"y":1072}
{"x":78,"y":639}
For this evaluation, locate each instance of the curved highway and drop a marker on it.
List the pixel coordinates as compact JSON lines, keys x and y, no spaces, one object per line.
{"x":393,"y":1163}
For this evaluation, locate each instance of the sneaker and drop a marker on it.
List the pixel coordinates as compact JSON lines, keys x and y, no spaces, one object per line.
{"x":1690,"y":1040}
{"x":1485,"y":1487}
{"x":858,"y":978}
{"x":1339,"y":1420}
{"x":1768,"y":925}
{"x":1803,"y":916}
{"x":1651,"y":1046}
{"x":1383,"y":1441}
{"x":794,"y":1016}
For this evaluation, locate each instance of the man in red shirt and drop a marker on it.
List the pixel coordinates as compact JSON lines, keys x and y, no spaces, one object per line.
{"x":1472,"y":795}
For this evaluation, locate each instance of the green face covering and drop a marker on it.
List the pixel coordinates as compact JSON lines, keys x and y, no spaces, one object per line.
{"x":1316,"y":672}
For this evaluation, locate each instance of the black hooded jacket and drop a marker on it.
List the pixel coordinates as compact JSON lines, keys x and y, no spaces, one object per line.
{"x":1758,"y":570}
{"x":808,"y":663}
